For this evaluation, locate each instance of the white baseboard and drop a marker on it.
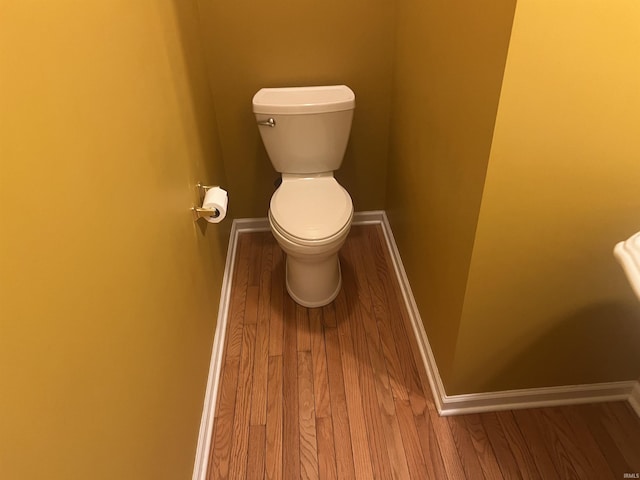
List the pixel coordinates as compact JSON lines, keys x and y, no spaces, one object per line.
{"x":244,"y":225}
{"x":445,"y":404}
{"x":536,"y":397}
{"x":435,"y":381}
{"x":504,"y":400}
{"x":217,"y":351}
{"x":370,"y":217}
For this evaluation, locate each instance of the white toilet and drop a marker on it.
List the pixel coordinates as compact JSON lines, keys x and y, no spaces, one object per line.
{"x":305,"y":131}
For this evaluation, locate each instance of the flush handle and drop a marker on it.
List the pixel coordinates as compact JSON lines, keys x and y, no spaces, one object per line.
{"x":268,"y":123}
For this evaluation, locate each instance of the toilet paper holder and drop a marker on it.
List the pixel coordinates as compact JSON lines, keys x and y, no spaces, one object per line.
{"x":199,"y":212}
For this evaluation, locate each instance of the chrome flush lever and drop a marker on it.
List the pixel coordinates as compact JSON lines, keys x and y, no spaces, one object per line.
{"x":268,"y":123}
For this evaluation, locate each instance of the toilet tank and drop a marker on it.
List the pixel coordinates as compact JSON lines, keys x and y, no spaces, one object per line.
{"x":305,"y":129}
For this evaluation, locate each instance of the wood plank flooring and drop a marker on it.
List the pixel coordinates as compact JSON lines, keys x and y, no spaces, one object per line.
{"x":340,"y":391}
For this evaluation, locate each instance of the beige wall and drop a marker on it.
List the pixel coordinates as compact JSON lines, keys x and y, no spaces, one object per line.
{"x":259,"y":44}
{"x":108,"y":291}
{"x":546,"y":302}
{"x":449,"y":61}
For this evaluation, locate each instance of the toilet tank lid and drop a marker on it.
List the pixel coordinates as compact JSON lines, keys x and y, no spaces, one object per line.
{"x":302,"y":100}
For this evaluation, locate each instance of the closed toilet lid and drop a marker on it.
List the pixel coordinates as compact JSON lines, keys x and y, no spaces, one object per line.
{"x":311,"y":209}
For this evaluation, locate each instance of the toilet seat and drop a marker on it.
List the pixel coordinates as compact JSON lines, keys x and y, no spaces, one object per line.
{"x":311,"y":210}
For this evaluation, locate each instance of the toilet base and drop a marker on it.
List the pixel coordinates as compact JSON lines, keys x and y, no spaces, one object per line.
{"x":312,"y":282}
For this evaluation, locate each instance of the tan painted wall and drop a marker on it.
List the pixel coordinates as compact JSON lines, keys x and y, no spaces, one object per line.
{"x":448,"y":70}
{"x":108,"y":291}
{"x":257,"y":44}
{"x":546,"y":302}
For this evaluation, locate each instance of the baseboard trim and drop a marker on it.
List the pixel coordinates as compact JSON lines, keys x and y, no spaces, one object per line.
{"x":203,"y":448}
{"x":435,"y":381}
{"x":536,"y":398}
{"x":370,"y":217}
{"x":504,"y":400}
{"x":244,"y":225}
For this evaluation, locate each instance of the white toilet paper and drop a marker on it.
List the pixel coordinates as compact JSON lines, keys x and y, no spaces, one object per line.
{"x":216,"y":198}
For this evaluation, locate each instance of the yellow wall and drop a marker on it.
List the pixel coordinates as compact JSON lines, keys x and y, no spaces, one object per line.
{"x":449,"y":62}
{"x":108,"y":291}
{"x":107,"y":306}
{"x":258,"y":43}
{"x":546,"y":302}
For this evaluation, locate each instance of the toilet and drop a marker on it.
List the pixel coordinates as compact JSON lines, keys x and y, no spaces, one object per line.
{"x":305,"y":131}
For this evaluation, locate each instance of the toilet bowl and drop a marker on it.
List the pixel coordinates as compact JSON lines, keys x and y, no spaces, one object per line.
{"x":310,"y":218}
{"x":305,"y":131}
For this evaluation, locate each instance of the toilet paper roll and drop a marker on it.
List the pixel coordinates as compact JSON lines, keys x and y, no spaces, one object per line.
{"x":216,"y":198}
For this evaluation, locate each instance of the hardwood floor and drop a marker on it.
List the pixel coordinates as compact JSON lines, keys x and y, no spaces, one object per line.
{"x":340,"y":391}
